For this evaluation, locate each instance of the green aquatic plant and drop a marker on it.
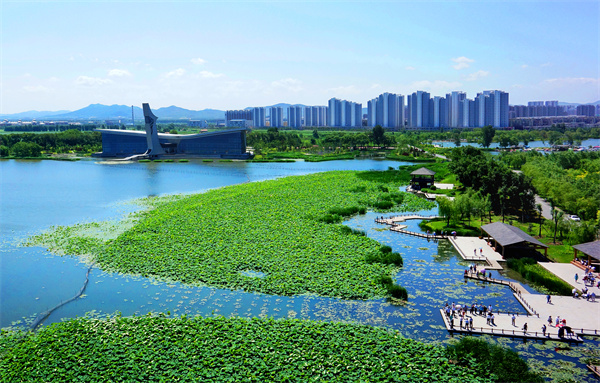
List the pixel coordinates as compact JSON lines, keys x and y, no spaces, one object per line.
{"x":158,"y":348}
{"x":272,"y":226}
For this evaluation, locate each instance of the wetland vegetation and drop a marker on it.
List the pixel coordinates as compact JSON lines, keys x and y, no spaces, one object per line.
{"x":280,"y":228}
{"x":152,"y":348}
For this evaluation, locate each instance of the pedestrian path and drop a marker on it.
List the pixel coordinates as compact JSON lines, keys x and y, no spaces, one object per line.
{"x":476,"y":249}
{"x":503,"y":325}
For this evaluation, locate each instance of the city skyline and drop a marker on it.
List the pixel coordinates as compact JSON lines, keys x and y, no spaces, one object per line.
{"x":201,"y":55}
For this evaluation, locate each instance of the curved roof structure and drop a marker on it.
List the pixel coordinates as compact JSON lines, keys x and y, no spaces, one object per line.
{"x":507,"y":235}
{"x":423,"y":172}
{"x":591,"y":249}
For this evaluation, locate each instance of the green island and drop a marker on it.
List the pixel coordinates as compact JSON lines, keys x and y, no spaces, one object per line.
{"x":279,"y":237}
{"x":158,"y":348}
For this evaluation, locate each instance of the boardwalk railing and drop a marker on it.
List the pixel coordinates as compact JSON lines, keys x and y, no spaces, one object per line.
{"x":422,"y":235}
{"x":514,"y":287}
{"x":511,"y":332}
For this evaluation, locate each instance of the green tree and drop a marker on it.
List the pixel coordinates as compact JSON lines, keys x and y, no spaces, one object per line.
{"x":378,"y":135}
{"x":446,"y":208}
{"x":26,"y":149}
{"x":488,"y":135}
{"x":538,"y":207}
{"x":315,"y":134}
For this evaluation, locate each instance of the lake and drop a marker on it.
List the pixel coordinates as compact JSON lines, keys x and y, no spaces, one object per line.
{"x":36,"y":195}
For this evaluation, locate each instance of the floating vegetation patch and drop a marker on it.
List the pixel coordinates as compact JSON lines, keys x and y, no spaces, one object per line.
{"x":423,"y":248}
{"x":184,"y":160}
{"x":156,"y":348}
{"x":272,"y":225}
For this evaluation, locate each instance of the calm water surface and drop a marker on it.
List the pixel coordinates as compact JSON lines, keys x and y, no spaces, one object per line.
{"x":38,"y":194}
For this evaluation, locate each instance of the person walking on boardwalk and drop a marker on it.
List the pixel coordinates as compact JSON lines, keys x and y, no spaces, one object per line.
{"x":475,"y":252}
{"x":544,"y":329}
{"x":548,"y":299}
{"x":471,"y":322}
{"x":525,"y":327}
{"x":514,"y":319}
{"x":576,"y":277}
{"x":550,"y":320}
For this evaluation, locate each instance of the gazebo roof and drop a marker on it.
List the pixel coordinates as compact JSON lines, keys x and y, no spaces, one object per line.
{"x":423,"y":172}
{"x":589,"y":248}
{"x":507,"y":235}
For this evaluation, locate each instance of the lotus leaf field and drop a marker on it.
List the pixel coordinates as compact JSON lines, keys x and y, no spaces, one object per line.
{"x":280,"y":229}
{"x":156,"y":348}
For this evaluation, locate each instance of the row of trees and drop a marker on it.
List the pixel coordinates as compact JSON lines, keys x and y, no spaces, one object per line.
{"x":290,"y":140}
{"x":509,"y":192}
{"x":32,"y":144}
{"x":571,"y":180}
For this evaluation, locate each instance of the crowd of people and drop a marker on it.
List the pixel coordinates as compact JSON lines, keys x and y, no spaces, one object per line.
{"x":465,"y":321}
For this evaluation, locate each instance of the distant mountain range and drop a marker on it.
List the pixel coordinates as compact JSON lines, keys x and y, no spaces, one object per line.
{"x":99,"y":112}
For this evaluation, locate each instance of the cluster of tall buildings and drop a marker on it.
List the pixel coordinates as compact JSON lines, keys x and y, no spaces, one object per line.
{"x":389,"y":110}
{"x":538,"y":109}
{"x":490,"y":107}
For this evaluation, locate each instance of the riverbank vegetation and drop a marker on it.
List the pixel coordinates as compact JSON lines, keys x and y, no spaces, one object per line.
{"x":278,"y":228}
{"x":539,"y":276}
{"x":157,"y":348}
{"x":22,"y":145}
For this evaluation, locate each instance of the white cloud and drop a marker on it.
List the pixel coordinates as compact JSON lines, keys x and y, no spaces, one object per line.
{"x":290,"y":84}
{"x":343,"y":91}
{"x":92,"y":81}
{"x":437,"y":85}
{"x":545,"y":65}
{"x":36,"y":88}
{"x":571,"y":81}
{"x":198,"y":61}
{"x":375,"y":86}
{"x":119,"y":72}
{"x":176,"y":73}
{"x":477,"y":75}
{"x":524,"y":66}
{"x":462,"y":62}
{"x":207,"y":74}
{"x":410,"y":68}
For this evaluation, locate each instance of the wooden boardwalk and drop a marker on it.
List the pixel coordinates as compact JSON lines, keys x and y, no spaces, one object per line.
{"x":502,"y":329}
{"x":517,"y":289}
{"x":393,"y":222}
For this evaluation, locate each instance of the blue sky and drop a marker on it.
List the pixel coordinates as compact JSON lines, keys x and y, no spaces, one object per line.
{"x":233,"y":54}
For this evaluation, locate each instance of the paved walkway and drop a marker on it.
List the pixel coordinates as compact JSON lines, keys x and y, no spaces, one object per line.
{"x":566,"y":272}
{"x":470,"y":249}
{"x":503,"y":326}
{"x":546,"y":208}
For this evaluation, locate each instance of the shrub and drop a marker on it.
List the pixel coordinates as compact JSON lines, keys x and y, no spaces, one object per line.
{"x":533,"y":272}
{"x":383,"y":205}
{"x":385,"y":249}
{"x":397,"y":291}
{"x":501,"y":363}
{"x":362,"y":210}
{"x":392,"y":259}
{"x":331,"y":218}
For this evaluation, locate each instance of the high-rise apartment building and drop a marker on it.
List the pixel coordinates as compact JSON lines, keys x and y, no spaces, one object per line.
{"x":259,"y":117}
{"x":295,"y":116}
{"x":276,"y":117}
{"x":315,"y":116}
{"x":343,"y":113}
{"x":419,"y":110}
{"x":387,"y":110}
{"x":237,"y":115}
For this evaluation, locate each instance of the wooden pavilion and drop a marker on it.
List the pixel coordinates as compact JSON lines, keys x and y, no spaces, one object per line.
{"x":422,"y":178}
{"x":591,"y":250}
{"x":507,"y":236}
